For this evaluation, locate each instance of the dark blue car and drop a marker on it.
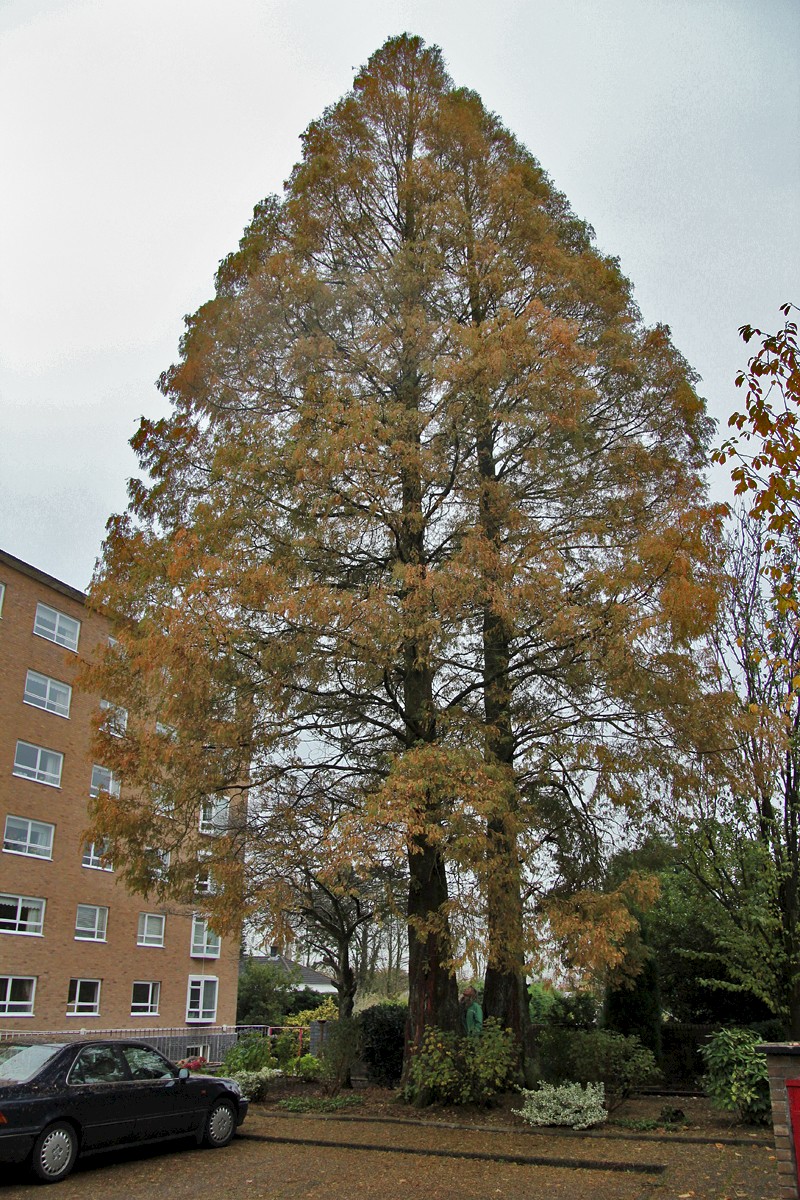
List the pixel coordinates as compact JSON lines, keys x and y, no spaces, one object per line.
{"x":59,"y":1100}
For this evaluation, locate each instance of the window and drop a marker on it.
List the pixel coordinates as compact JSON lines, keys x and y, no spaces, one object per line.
{"x":21,"y":914}
{"x":34,"y":762}
{"x":198,"y":1050}
{"x":56,"y":627}
{"x":2,"y":597}
{"x":161,"y":800}
{"x":103,"y":780}
{"x":91,"y":921}
{"x":205,"y":943}
{"x":146,"y":1063}
{"x":201,"y":1001}
{"x":214,"y":814}
{"x":93,"y":854}
{"x":43,"y":692}
{"x":204,"y":881}
{"x":157,"y":862}
{"x":28,"y":837}
{"x":16,"y":995}
{"x":116,"y":720}
{"x":144,"y":999}
{"x":83,"y":998}
{"x":151,"y":929}
{"x":97,"y":1064}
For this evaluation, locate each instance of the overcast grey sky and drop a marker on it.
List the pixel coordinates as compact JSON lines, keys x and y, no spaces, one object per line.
{"x":137,"y":135}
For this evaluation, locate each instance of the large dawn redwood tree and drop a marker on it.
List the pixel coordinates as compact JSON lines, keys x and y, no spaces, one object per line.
{"x":423,"y":538}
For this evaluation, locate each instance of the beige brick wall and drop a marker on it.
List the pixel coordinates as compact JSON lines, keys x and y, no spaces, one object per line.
{"x":63,"y":882}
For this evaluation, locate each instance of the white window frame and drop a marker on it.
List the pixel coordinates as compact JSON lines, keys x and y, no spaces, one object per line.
{"x":149,"y":940}
{"x":53,"y":695}
{"x":205,"y":943}
{"x":84,"y":1008}
{"x":62,"y":629}
{"x":95,"y":927}
{"x":2,"y":598}
{"x":10,"y":1007}
{"x":198,"y":1050}
{"x":24,"y":843}
{"x":197,"y":1008}
{"x":92,"y":857}
{"x":39,"y":771}
{"x":116,"y":720}
{"x":159,"y":861}
{"x":148,"y":1008}
{"x":24,"y":926}
{"x":204,"y":884}
{"x":103,"y":780}
{"x":214,"y":812}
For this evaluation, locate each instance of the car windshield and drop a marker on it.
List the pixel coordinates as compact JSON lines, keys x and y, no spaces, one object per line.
{"x":20,"y":1061}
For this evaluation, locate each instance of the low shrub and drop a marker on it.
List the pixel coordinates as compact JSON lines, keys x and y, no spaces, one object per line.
{"x":462,"y":1070}
{"x":302,"y":1104}
{"x":255,"y":1084}
{"x":564,"y":1104}
{"x":308,"y":1067}
{"x":620,"y":1063}
{"x":251,"y":1053}
{"x":736,"y":1078}
{"x":195,"y":1063}
{"x":382,"y":1037}
{"x":285,"y":1047}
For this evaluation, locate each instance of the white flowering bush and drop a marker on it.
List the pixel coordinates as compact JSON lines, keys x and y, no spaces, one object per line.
{"x":564,"y":1104}
{"x":255,"y":1084}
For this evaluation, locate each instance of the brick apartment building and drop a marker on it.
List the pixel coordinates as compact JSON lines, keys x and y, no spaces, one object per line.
{"x":76,"y":949}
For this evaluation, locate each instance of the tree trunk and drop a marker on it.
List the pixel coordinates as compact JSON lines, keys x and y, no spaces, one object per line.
{"x":505,"y":988}
{"x":432,"y":990}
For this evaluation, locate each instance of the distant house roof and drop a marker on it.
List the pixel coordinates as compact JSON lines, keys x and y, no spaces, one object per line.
{"x":309,"y":978}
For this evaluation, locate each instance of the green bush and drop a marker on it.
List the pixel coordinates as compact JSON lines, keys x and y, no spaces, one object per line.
{"x":458,"y":1070}
{"x":736,"y":1077}
{"x":621,"y":1064}
{"x":382,"y":1029}
{"x":636,"y":1009}
{"x":564,"y":1104}
{"x":285,"y":1046}
{"x":574,"y":1010}
{"x":251,"y":1053}
{"x":328,"y":1010}
{"x":265,"y":992}
{"x":255,"y":1084}
{"x":307,"y":1067}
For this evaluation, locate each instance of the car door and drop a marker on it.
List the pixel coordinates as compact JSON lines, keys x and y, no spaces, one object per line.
{"x":98,"y":1097}
{"x":166,"y":1105}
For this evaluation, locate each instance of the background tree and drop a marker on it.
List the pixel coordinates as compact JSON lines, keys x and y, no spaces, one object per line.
{"x":267,"y":995}
{"x":422,"y":548}
{"x":769,"y":475}
{"x":739,"y":836}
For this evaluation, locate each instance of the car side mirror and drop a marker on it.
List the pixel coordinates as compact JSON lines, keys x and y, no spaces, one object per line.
{"x":184,"y":1073}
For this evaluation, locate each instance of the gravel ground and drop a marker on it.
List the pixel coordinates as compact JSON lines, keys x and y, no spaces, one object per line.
{"x":389,"y":1152}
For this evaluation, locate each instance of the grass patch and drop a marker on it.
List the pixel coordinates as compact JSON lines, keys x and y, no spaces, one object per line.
{"x":323,"y":1104}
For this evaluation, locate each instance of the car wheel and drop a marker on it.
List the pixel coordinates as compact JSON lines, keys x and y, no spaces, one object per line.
{"x":54,"y":1152}
{"x":221,"y":1124}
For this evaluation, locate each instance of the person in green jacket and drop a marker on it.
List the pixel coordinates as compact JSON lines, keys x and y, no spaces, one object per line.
{"x":471,"y":1012}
